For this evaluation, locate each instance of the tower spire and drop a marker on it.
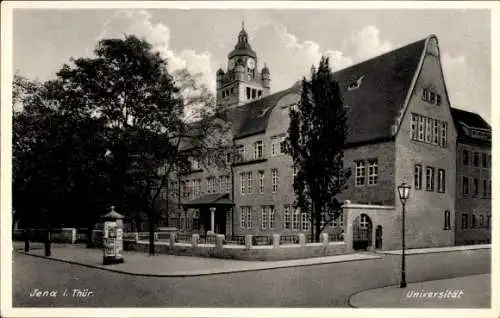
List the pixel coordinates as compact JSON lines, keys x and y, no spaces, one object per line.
{"x":242,"y":24}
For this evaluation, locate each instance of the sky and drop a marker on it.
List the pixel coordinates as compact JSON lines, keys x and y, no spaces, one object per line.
{"x":289,"y":42}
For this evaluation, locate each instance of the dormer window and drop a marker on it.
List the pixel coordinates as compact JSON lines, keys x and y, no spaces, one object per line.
{"x":430,"y":96}
{"x":355,"y":84}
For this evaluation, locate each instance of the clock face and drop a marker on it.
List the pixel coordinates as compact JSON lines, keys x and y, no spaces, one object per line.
{"x":251,"y":63}
{"x":231,"y":64}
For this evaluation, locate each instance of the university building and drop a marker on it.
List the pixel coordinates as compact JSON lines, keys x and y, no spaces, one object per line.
{"x":401,"y":128}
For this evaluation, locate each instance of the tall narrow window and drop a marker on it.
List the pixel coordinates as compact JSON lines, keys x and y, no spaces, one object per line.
{"x":444,"y":134}
{"x":249,"y":217}
{"x":360,"y":173}
{"x":475,"y":191}
{"x":428,"y":130}
{"x":241,"y":153}
{"x":429,"y":178}
{"x":447,"y":223}
{"x":258,"y":150}
{"x":475,"y":162}
{"x":484,"y":160}
{"x":414,"y":126}
{"x":441,"y":181}
{"x":261,"y":181}
{"x":372,"y":172}
{"x":274,"y":174}
{"x":481,"y":220}
{"x":242,"y":182}
{"x":418,"y":177}
{"x":485,"y":188}
{"x":243,"y":217}
{"x":473,"y":221}
{"x":287,"y":217}
{"x":282,"y":141}
{"x":274,"y":146}
{"x":305,"y":222}
{"x":249,"y":182}
{"x":435,"y":137}
{"x":465,"y":186}
{"x":465,"y":219}
{"x":295,"y":223}
{"x":272,"y":217}
{"x":421,"y":128}
{"x":465,"y":157}
{"x":248,"y":92}
{"x":263,"y":213}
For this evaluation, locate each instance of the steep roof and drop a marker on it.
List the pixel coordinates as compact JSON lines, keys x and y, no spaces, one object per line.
{"x":471,"y":127}
{"x":384,"y":82}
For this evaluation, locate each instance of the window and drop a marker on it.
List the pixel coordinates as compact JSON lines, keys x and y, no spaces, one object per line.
{"x":263,"y":213}
{"x":484,"y":160}
{"x":428,"y":130}
{"x":485,"y":188}
{"x":272,"y":217}
{"x":261,"y":181}
{"x":228,"y":158}
{"x":465,"y":219}
{"x":481,"y":220}
{"x":286,"y":215}
{"x":465,"y":157}
{"x":421,"y":128}
{"x":197,"y":188}
{"x":475,"y":191}
{"x":488,"y":221}
{"x":429,"y":178}
{"x":274,"y":146}
{"x":438,"y":99}
{"x":249,"y":217}
{"x":248,"y":92}
{"x":473,"y":221}
{"x":433,"y":97}
{"x":258,"y":150}
{"x":295,"y":224}
{"x":489,"y":188}
{"x":222,"y":184}
{"x":414,"y":126}
{"x":418,"y":177}
{"x":259,"y":94}
{"x":243,"y":217}
{"x":444,"y":134}
{"x":249,"y":182}
{"x":447,"y":223}
{"x":363,"y":222}
{"x":441,"y":181}
{"x":240,"y":153}
{"x":242,"y":182}
{"x":360,"y":173}
{"x":254,"y":93}
{"x":282,"y":145}
{"x":274,"y":174}
{"x":372,"y":172}
{"x":425,"y":94}
{"x":465,"y":186}
{"x":476,"y":159}
{"x":305,"y":222}
{"x":435,"y":136}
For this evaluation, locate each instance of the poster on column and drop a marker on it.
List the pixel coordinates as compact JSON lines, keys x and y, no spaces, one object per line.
{"x":109,"y":239}
{"x":119,"y":242}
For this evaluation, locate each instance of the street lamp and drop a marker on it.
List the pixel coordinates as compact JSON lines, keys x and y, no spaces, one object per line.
{"x":404,"y":193}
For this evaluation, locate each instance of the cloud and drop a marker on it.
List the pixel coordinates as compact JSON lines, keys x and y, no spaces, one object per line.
{"x":366,"y":43}
{"x":158,"y":35}
{"x":290,"y":58}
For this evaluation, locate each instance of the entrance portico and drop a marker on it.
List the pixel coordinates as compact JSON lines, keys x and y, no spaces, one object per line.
{"x":215,"y":212}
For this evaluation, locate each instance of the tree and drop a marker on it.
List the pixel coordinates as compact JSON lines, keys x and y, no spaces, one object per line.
{"x":316,"y":138}
{"x":149,"y":120}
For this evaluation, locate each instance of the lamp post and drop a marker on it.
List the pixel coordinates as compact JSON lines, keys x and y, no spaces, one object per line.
{"x":404,"y":193}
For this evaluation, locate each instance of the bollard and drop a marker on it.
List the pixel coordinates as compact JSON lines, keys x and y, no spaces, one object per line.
{"x":136,"y":237}
{"x":219,"y":240}
{"x":276,"y":240}
{"x":172,"y":239}
{"x":248,"y":241}
{"x":195,"y":239}
{"x":324,"y":238}
{"x":302,"y":239}
{"x":73,"y":236}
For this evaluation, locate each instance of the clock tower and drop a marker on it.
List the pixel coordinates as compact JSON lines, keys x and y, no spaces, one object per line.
{"x":242,"y":82}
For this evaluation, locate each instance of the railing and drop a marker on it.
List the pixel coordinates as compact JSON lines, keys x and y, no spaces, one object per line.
{"x":289,"y":239}
{"x":335,"y":237}
{"x":183,"y":237}
{"x":262,"y":240}
{"x":235,"y":240}
{"x":207,"y":239}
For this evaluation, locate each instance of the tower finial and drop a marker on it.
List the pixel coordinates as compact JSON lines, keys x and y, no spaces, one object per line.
{"x":243,"y":25}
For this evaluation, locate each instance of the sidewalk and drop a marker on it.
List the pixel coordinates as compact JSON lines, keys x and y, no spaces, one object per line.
{"x":438,"y":249}
{"x":459,"y":292}
{"x":162,"y":265}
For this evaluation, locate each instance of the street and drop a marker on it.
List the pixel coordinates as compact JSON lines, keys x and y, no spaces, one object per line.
{"x":329,"y":285}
